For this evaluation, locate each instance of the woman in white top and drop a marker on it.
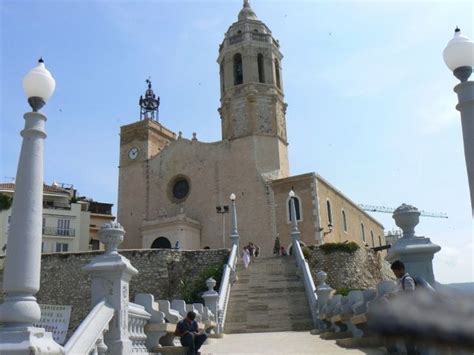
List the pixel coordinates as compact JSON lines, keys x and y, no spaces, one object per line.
{"x":246,"y":257}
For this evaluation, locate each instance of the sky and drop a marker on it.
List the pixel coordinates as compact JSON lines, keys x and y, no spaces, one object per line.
{"x":370,"y":100}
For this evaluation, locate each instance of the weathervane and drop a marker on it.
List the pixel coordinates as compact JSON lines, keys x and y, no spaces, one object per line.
{"x":149,"y":105}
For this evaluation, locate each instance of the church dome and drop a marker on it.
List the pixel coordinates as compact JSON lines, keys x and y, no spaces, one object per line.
{"x":247,"y":13}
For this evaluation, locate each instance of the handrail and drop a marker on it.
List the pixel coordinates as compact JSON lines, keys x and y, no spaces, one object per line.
{"x":224,"y":289}
{"x":309,"y":286}
{"x":91,"y":329}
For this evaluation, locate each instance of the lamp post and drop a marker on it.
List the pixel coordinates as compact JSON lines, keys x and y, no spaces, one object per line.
{"x":21,"y":277}
{"x":234,"y":233}
{"x":459,"y":57}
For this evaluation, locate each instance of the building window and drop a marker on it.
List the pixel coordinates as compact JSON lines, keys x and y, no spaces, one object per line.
{"x":380,"y":241}
{"x":61,"y":247}
{"x":63,"y":227}
{"x":222,"y":78}
{"x":261,"y":71}
{"x":297,"y":209}
{"x":44,"y":224}
{"x":180,"y":188}
{"x":277,"y":73}
{"x":329,"y":211}
{"x":372,"y":237}
{"x":362,"y":230}
{"x":238,"y":69}
{"x":344,"y":221}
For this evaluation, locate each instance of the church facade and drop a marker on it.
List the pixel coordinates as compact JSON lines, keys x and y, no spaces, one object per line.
{"x":172,"y":189}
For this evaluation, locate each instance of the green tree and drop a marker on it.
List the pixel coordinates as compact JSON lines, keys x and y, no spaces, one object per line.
{"x":5,"y":202}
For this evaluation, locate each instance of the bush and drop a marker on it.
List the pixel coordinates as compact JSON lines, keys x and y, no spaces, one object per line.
{"x":345,"y":290}
{"x":306,"y":252}
{"x":5,"y":202}
{"x":191,"y":292}
{"x":344,"y":247}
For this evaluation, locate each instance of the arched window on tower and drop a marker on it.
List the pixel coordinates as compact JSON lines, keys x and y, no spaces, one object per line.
{"x":222,"y":77}
{"x":328,"y":207}
{"x":380,"y":241}
{"x":277,"y":73}
{"x":344,"y":221}
{"x":373,"y":239}
{"x":362,"y":232}
{"x":261,"y":72}
{"x":238,"y":69}
{"x":297,"y":209}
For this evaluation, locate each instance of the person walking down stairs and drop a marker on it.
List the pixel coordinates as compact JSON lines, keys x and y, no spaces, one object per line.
{"x":246,"y":257}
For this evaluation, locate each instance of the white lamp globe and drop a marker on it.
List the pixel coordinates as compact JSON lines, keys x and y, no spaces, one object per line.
{"x":292,"y":193}
{"x":459,"y":51}
{"x":39,"y":82}
{"x":232,"y":197}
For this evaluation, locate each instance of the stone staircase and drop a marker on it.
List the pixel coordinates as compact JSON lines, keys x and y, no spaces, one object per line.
{"x":268,"y":297}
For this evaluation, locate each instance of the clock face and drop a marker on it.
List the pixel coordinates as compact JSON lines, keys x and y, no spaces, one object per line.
{"x":133,"y":153}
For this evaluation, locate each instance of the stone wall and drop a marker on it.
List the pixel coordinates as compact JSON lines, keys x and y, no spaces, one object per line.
{"x":358,"y":270}
{"x":165,"y":273}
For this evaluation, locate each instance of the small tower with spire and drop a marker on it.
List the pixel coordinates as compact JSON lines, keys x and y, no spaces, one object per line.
{"x":150,"y":104}
{"x":252,"y":99}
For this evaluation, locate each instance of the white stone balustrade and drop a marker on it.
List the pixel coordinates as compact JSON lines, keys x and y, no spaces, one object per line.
{"x":89,"y":336}
{"x":180,"y":306}
{"x":171,"y":315}
{"x":137,"y":319}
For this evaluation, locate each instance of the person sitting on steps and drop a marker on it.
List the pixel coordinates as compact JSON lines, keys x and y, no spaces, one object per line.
{"x":187,"y":330}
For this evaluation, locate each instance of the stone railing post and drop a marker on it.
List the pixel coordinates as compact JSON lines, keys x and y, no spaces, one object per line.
{"x":415,"y":252}
{"x":211,"y":297}
{"x":111,"y":274}
{"x":324,"y":292}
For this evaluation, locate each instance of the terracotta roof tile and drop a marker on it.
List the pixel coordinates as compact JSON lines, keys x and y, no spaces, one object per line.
{"x":46,"y":188}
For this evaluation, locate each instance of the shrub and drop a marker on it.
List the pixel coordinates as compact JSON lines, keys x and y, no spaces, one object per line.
{"x":306,"y":252}
{"x":344,"y":247}
{"x":345,"y":290}
{"x":5,"y":202}
{"x":191,"y":292}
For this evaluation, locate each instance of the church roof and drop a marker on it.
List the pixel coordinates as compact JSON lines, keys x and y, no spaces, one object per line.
{"x":247,"y":13}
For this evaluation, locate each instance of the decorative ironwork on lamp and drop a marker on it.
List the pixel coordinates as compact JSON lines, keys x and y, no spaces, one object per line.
{"x":150,"y":104}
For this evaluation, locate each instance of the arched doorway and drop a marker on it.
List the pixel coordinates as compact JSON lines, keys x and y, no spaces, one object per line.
{"x":161,"y":243}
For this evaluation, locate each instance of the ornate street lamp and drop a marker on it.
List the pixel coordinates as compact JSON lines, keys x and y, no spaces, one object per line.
{"x":459,"y":57}
{"x":21,"y":278}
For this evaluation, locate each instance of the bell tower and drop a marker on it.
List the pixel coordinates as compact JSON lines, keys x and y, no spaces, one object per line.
{"x":252,"y":100}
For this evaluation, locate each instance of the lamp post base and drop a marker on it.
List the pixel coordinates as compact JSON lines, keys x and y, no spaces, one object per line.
{"x":28,"y":341}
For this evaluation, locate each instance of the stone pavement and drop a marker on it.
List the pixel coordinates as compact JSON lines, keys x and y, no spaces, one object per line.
{"x":293,"y":343}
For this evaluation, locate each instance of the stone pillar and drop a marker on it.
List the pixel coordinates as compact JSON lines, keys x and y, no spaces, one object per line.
{"x":211,"y":297}
{"x":415,"y":252}
{"x":23,"y":258}
{"x":111,"y":274}
{"x":234,"y":233}
{"x":465,"y":92}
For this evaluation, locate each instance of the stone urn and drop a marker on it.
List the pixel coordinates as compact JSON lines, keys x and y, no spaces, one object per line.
{"x":407,"y":217}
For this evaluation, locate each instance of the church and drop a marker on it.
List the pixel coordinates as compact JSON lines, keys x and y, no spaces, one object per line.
{"x":175,"y":191}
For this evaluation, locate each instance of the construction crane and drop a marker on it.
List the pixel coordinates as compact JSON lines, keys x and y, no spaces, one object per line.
{"x":384,"y":209}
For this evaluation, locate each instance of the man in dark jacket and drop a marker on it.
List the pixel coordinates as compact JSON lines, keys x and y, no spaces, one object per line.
{"x":187,"y":330}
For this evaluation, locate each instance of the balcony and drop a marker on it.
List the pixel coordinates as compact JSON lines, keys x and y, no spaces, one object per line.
{"x":70,"y":232}
{"x":56,"y":205}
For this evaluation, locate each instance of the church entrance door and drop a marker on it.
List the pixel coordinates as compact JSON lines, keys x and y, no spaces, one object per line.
{"x":161,"y":243}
